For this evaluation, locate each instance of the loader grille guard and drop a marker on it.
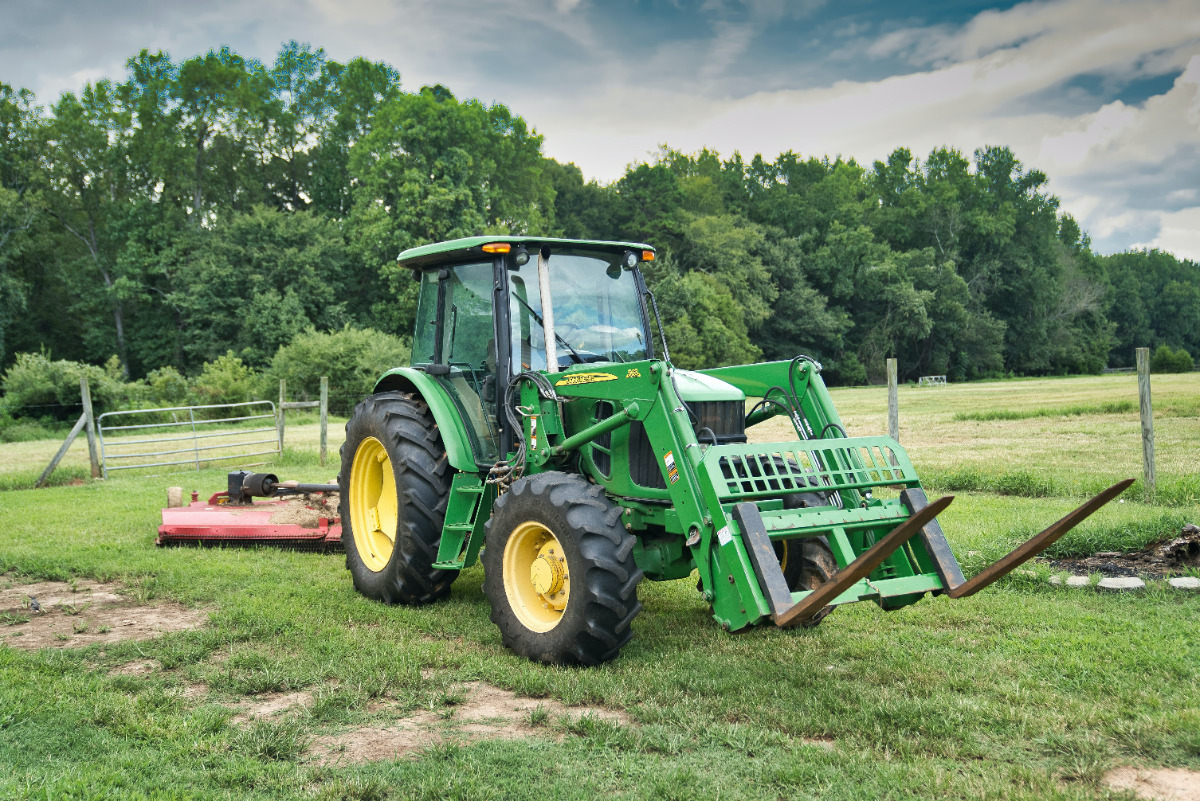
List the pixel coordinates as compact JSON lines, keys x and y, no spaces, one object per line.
{"x":618,"y":466}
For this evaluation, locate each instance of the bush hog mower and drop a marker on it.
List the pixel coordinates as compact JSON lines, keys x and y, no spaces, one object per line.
{"x":540,"y":430}
{"x":293,"y":515}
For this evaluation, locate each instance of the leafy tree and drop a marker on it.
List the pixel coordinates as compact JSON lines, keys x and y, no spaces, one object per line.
{"x":649,"y":206}
{"x":1154,"y":299}
{"x":801,"y":320}
{"x":51,"y":386}
{"x":88,"y":189}
{"x":355,"y":92}
{"x":261,"y":279}
{"x":703,"y":324}
{"x":581,"y":210}
{"x":227,"y":379}
{"x":20,"y":148}
{"x":433,"y":168}
{"x":731,"y":250}
{"x":222,"y":205}
{"x":219,"y":96}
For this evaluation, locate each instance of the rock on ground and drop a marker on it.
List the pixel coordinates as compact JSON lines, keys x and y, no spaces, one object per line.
{"x":1123,"y":584}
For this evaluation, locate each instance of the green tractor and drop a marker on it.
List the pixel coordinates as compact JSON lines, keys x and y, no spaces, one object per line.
{"x":541,"y":430}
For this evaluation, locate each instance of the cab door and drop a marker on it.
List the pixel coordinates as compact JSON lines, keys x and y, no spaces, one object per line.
{"x":456,"y":341}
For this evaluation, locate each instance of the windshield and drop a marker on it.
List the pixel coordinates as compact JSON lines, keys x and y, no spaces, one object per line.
{"x":597,"y":312}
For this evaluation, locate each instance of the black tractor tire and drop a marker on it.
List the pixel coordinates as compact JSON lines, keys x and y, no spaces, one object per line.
{"x":393,"y":438}
{"x":561,"y":517}
{"x":807,"y":563}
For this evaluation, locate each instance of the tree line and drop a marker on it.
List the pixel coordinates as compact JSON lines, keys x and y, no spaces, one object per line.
{"x":220,"y":205}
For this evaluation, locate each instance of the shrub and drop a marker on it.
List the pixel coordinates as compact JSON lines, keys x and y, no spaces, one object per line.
{"x":37,"y":386}
{"x":353,"y":358}
{"x":226,"y":379}
{"x":166,"y":386}
{"x":1166,"y":360}
{"x":27,"y":429}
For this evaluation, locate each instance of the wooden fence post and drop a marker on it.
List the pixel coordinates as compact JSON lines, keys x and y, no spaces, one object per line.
{"x":61,"y":451}
{"x":324,"y":416}
{"x":279,"y":412}
{"x":85,"y":393}
{"x":1143,"y":369}
{"x":893,"y":401}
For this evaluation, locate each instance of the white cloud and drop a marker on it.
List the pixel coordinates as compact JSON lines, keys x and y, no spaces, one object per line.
{"x":996,"y":61}
{"x":377,"y":13}
{"x":1179,"y":234}
{"x":1121,"y":167}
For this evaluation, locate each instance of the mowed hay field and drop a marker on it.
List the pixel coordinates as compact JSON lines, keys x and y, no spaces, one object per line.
{"x":1055,"y":436}
{"x":262,"y":674}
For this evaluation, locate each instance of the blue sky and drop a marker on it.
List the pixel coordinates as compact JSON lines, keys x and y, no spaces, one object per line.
{"x":1102,"y":96}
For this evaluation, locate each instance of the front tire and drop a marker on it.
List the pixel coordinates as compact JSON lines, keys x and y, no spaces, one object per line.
{"x":559,"y":571}
{"x":395,"y":481}
{"x":807,"y":564}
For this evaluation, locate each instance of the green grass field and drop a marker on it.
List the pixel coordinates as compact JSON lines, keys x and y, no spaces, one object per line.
{"x":1024,"y":691}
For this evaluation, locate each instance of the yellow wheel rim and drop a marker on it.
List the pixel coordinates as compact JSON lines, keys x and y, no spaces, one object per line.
{"x":373,"y":507}
{"x":536,"y":579}
{"x":783,"y":554}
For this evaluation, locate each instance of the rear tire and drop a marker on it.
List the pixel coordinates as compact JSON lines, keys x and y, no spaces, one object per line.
{"x":559,"y":571}
{"x":395,"y":481}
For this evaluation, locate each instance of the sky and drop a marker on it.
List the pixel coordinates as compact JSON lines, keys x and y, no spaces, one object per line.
{"x":1104,"y":97}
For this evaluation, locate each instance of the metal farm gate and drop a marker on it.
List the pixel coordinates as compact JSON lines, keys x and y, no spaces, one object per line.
{"x":164,"y":439}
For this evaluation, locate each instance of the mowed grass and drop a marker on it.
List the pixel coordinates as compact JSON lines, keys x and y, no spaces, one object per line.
{"x":1024,"y":691}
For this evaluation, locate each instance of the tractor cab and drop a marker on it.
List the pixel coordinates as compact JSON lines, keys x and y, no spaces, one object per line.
{"x":485,"y":306}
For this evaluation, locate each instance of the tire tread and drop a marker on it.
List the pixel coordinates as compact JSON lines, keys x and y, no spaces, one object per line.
{"x":404,"y":424}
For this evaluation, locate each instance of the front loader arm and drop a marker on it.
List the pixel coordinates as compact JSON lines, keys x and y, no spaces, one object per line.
{"x":644,"y":392}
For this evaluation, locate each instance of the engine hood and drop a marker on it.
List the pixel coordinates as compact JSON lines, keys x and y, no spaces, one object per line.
{"x":699,"y":387}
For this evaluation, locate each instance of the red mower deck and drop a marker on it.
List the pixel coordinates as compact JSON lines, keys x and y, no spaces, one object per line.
{"x":270,"y":521}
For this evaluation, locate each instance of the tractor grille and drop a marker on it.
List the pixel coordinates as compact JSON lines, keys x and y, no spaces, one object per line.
{"x":726,"y":420}
{"x":767,"y":470}
{"x":643,"y":464}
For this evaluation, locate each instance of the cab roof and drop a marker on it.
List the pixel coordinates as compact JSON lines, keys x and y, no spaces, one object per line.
{"x":459,"y":249}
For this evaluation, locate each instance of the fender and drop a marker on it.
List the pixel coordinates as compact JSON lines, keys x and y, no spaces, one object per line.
{"x":454,"y":434}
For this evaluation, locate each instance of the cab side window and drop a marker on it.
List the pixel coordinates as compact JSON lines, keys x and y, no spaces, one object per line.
{"x":455,"y":328}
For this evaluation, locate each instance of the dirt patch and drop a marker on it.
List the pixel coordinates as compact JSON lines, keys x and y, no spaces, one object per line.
{"x":139,"y":668}
{"x":485,"y":712}
{"x":1167,"y":784}
{"x":819,"y":742}
{"x":307,"y":511}
{"x":268,"y":704}
{"x":1157,"y":560}
{"x":57,"y":614}
{"x":195,"y":691}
